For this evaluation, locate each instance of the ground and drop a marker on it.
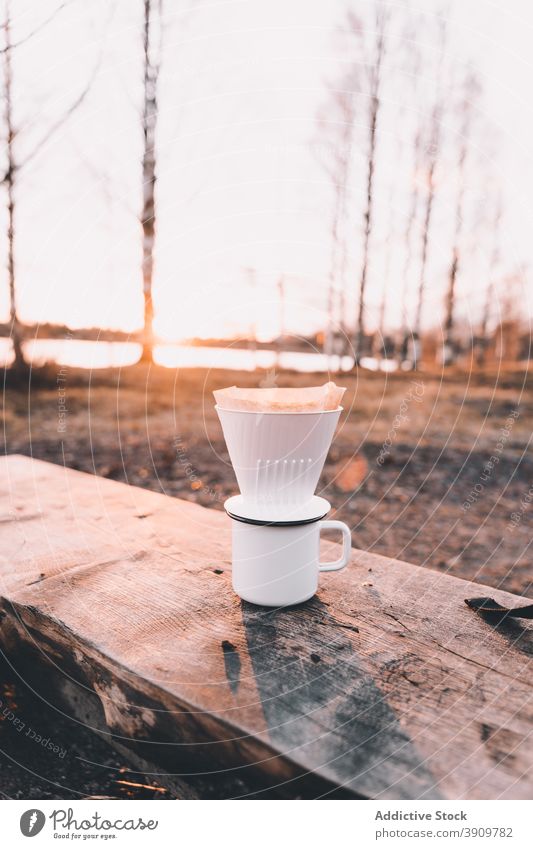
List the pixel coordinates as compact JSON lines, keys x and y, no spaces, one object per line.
{"x":410,"y":468}
{"x":434,"y":471}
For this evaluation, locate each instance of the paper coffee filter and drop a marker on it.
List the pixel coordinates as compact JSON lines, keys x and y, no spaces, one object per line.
{"x":312,"y":399}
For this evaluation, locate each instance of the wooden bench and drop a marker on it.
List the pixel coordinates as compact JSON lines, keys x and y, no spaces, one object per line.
{"x":385,"y":685}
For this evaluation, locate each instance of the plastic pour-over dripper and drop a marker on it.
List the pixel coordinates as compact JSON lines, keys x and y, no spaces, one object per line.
{"x":278,"y":457}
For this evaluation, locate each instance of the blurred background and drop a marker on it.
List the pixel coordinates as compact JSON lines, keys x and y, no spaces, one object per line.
{"x":349,"y":179}
{"x":200,"y":194}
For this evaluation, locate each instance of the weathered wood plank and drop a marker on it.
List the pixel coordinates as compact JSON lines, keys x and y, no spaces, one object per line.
{"x":385,"y":684}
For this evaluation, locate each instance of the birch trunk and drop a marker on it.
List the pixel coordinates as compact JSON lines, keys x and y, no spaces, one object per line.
{"x":489,"y":297}
{"x":375,"y":94}
{"x":9,"y":179}
{"x":449,"y":353}
{"x":148,"y":219}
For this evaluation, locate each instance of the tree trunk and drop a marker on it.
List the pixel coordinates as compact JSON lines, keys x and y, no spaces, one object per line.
{"x":431,"y":162}
{"x":449,"y":348}
{"x":19,"y":362}
{"x":360,"y":331}
{"x":449,"y":342}
{"x":409,"y":228}
{"x":381,"y":349}
{"x":330,"y":307}
{"x":425,"y":243}
{"x":375,"y":93}
{"x":148,"y":221}
{"x":489,"y":297}
{"x":337,"y":275}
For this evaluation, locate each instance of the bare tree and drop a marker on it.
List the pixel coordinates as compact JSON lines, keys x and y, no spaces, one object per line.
{"x":375,"y":73}
{"x":490,"y":292}
{"x":410,"y":338}
{"x":14,"y":165}
{"x":431,"y":160}
{"x":417,"y":166}
{"x":381,"y":348}
{"x":338,"y":117}
{"x":152,"y":64}
{"x":367,"y":52}
{"x":510,"y":323}
{"x":9,"y":182}
{"x":336,"y":248}
{"x":471,"y":90}
{"x":428,"y":211}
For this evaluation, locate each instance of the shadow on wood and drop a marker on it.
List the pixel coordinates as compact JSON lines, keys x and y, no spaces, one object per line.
{"x":324,"y":703}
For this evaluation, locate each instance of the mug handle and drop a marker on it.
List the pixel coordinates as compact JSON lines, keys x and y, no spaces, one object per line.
{"x":346,"y":543}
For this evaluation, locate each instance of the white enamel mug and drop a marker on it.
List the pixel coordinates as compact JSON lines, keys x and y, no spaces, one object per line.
{"x":279,"y":565}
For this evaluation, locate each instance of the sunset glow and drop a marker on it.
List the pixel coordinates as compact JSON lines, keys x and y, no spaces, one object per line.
{"x":240,"y":185}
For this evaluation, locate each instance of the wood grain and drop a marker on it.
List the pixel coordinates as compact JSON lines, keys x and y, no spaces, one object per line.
{"x":385,"y":685}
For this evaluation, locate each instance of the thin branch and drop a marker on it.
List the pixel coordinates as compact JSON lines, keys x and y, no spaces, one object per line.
{"x":106,"y":180}
{"x":61,"y":121}
{"x":37,"y":29}
{"x":73,"y":106}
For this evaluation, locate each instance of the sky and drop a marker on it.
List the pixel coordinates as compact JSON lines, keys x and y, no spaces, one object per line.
{"x":243,"y":197}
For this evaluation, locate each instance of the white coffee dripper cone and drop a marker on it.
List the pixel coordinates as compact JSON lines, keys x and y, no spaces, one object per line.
{"x":278,"y":457}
